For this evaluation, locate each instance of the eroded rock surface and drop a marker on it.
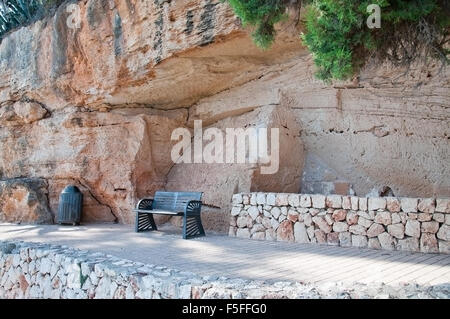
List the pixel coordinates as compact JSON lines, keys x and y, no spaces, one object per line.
{"x":221,"y":181}
{"x":115,"y":157}
{"x":96,"y":107}
{"x":24,"y":200}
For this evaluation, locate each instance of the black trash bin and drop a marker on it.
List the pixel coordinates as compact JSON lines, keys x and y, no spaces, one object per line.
{"x":70,"y":205}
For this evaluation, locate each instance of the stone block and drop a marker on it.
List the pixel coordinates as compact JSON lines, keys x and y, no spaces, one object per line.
{"x":352,"y":218}
{"x":294,"y":200}
{"x":364,"y":222}
{"x":266,"y":222}
{"x":305,"y":201}
{"x":359,"y":241}
{"x":409,"y":205}
{"x":307,"y":219}
{"x":281,"y":199}
{"x":276,"y":212}
{"x":320,"y":236}
{"x":362,"y":203}
{"x":333,"y":239}
{"x":346,"y":202}
{"x":260,"y":198}
{"x":427,"y":205}
{"x":374,"y":230}
{"x":376,"y":203}
{"x":386,"y":241}
{"x":374,"y":243}
{"x":396,"y":230}
{"x":318,"y":201}
{"x":271,"y":235}
{"x":444,"y":247}
{"x":274,"y":223}
{"x":428,"y":243}
{"x":439,"y":217}
{"x":253,"y":199}
{"x":354,"y":201}
{"x":345,"y":239}
{"x":431,"y":227}
{"x":329,"y":219}
{"x":243,"y":233}
{"x":334,"y":201}
{"x":253,"y":212}
{"x":241,"y":221}
{"x":396,"y":218}
{"x":285,"y":231}
{"x":271,"y":199}
{"x":443,"y":205}
{"x":383,"y":217}
{"x":339,"y":215}
{"x":293,"y":216}
{"x":259,"y":235}
{"x":393,"y":204}
{"x":412,"y":228}
{"x":300,"y":234}
{"x":444,"y":232}
{"x":257,"y":228}
{"x":424,"y":217}
{"x":310,"y":230}
{"x":357,"y":230}
{"x":322,"y":224}
{"x":340,"y":227}
{"x":409,"y":244}
{"x":237,"y":199}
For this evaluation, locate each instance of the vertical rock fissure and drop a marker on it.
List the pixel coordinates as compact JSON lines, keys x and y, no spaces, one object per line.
{"x":116,"y":218}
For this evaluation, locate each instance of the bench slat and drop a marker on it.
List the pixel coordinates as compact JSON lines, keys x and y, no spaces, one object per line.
{"x":174,"y":201}
{"x":157,"y":211}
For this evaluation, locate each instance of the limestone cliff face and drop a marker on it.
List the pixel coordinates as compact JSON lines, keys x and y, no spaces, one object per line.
{"x":95,"y":106}
{"x":387,"y":128}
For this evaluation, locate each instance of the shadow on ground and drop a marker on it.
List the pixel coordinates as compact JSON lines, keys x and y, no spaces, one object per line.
{"x":219,"y":255}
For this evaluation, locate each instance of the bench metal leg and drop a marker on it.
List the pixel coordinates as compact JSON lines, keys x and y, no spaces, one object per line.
{"x":192,"y":227}
{"x":144,"y":222}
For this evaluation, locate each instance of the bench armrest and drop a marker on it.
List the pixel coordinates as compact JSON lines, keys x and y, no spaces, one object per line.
{"x":145,"y":203}
{"x":193,"y":208}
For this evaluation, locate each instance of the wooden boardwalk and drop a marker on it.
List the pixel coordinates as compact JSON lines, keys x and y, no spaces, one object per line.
{"x":218,"y":255}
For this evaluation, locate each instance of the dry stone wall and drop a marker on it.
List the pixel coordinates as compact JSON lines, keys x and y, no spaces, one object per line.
{"x":34,"y":270}
{"x":411,"y":224}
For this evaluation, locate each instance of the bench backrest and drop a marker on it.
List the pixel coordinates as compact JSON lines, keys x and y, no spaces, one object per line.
{"x":174,"y":201}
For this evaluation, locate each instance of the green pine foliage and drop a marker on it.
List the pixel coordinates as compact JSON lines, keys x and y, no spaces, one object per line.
{"x":17,"y":13}
{"x":263,"y":15}
{"x":337,"y":35}
{"x":335,"y":30}
{"x":332,"y":30}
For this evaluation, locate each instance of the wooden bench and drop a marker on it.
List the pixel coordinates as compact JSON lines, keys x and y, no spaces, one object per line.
{"x":186,"y":204}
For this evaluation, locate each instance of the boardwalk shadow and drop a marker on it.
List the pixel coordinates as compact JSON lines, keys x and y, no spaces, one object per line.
{"x":221,"y":255}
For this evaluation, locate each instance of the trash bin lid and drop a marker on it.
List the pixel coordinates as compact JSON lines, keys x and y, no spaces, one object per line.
{"x":71,"y":189}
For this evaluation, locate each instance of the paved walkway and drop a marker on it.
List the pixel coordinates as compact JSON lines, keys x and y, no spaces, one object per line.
{"x":219,"y":255}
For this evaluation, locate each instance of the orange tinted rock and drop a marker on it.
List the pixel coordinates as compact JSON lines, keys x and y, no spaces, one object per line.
{"x":24,"y":200}
{"x":339,"y":214}
{"x":285,"y":231}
